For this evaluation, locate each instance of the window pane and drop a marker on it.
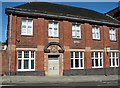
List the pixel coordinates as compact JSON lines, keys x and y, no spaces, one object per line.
{"x":23,"y":26}
{"x":81,"y":62}
{"x":26,"y":64}
{"x":117,"y":54}
{"x":19,"y":54}
{"x":55,"y":25}
{"x":110,"y":62}
{"x":76,"y":62}
{"x":32,"y":64}
{"x":19,"y":64}
{"x":113,"y":54}
{"x":81,"y":54}
{"x":92,"y":54}
{"x":29,"y":31}
{"x":93,"y":62}
{"x":23,"y":31}
{"x":32,"y":54}
{"x":50,"y":24}
{"x":26,"y":54}
{"x":100,"y":62}
{"x":55,"y":32}
{"x":76,"y":54}
{"x":96,"y":54}
{"x":100,"y":54}
{"x":96,"y":62}
{"x":71,"y":54}
{"x":113,"y":60}
{"x":73,"y":33}
{"x":29,"y":21}
{"x":50,"y":32}
{"x":117,"y":62}
{"x":29,"y":26}
{"x":77,"y":34}
{"x":23,"y":21}
{"x":71,"y":63}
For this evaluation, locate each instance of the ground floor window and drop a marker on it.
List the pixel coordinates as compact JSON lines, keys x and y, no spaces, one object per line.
{"x":77,"y":60}
{"x":26,"y":60}
{"x":97,"y":59}
{"x":114,"y":59}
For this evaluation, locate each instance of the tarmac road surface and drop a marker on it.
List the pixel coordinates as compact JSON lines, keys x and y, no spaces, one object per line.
{"x":113,"y":83}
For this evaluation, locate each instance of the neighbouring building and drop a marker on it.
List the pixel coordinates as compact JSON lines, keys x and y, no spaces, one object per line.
{"x":4,"y":61}
{"x":115,"y":13}
{"x":58,"y":40}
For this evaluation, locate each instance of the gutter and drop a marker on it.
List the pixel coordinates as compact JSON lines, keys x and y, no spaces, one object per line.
{"x":35,"y":13}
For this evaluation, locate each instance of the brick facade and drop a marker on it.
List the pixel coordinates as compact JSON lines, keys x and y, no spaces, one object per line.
{"x":39,"y":40}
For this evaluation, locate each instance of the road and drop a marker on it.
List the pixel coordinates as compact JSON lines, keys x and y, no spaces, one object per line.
{"x":69,"y":85}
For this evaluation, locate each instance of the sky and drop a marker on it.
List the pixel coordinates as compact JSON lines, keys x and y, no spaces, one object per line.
{"x":101,"y":7}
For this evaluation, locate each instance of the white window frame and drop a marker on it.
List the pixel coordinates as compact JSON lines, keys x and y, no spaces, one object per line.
{"x":112,"y":34}
{"x":96,"y":32}
{"x":98,"y":58}
{"x":27,"y":24}
{"x":29,"y":61}
{"x":51,"y":29}
{"x":76,"y":31}
{"x":78,"y":59}
{"x":115,"y":58}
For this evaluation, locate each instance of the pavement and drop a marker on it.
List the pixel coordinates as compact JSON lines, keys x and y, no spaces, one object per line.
{"x":60,"y":79}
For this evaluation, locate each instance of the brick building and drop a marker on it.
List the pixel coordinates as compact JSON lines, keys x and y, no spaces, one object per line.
{"x":52,"y":39}
{"x":115,"y":13}
{"x":4,"y":61}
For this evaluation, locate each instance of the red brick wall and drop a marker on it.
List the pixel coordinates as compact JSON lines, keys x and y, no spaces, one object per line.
{"x":13,"y":41}
{"x":40,"y":37}
{"x":97,"y":44}
{"x":26,"y":41}
{"x":66,"y":33}
{"x":39,"y":62}
{"x":78,"y":43}
{"x":88,"y":37}
{"x":106,"y":43}
{"x":66,"y":42}
{"x":115,"y":45}
{"x":66,"y":60}
{"x":4,"y":64}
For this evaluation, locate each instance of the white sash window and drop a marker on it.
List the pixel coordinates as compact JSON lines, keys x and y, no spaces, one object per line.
{"x":96,"y":32}
{"x":27,"y":27}
{"x":76,"y":31}
{"x":26,"y":60}
{"x":53,"y":30}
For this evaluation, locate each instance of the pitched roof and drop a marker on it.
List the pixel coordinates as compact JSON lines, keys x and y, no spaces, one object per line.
{"x":61,"y":12}
{"x":115,"y":9}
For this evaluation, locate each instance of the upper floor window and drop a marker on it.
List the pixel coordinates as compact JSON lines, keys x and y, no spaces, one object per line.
{"x":76,"y":31}
{"x":112,"y":34}
{"x":96,"y":32}
{"x":27,"y":27}
{"x":53,"y":30}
